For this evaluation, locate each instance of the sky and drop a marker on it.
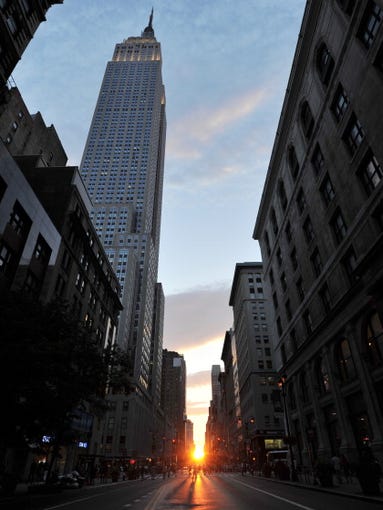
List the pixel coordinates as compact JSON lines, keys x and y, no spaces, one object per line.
{"x":225,"y":68}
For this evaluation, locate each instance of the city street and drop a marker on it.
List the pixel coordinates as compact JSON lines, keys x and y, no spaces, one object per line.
{"x":223,"y":491}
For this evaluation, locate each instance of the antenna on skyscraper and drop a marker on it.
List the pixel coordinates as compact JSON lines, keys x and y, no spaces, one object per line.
{"x":151,"y":19}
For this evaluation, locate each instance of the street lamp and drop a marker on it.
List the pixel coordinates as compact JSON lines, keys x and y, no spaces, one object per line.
{"x":282,"y":387}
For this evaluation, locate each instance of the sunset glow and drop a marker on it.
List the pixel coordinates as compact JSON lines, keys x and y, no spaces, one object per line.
{"x":198,"y":454}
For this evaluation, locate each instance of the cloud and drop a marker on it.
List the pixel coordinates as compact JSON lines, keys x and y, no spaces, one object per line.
{"x":189,"y":134}
{"x":207,"y":308}
{"x":194,"y":410}
{"x":202,"y":378}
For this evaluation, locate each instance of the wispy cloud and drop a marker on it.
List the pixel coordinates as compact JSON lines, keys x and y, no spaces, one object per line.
{"x":207,"y":308}
{"x":202,"y":378}
{"x":189,"y":134}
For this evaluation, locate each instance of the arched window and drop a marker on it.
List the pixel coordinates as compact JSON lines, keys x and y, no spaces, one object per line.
{"x":282,"y":194}
{"x":374,"y":338}
{"x":345,"y":362}
{"x":322,"y":377}
{"x":324,"y":64}
{"x":307,"y":119}
{"x":292,"y":161}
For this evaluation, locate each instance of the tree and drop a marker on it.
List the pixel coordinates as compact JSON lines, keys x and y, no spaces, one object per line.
{"x":49,"y":364}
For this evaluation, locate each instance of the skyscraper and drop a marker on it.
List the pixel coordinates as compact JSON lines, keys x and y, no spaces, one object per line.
{"x":122,"y":167}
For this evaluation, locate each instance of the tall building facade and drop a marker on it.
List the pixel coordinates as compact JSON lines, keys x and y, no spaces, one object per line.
{"x":320,"y":227}
{"x":122,"y":167}
{"x":173,"y":397}
{"x":260,"y":423}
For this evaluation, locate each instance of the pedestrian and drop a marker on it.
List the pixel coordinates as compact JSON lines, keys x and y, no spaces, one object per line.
{"x":335,"y":461}
{"x":346,"y":468}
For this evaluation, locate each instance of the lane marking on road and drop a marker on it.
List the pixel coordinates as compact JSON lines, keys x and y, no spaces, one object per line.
{"x":73,"y":501}
{"x":275,"y":496}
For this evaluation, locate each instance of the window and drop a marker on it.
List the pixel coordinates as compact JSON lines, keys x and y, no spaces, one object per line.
{"x":274,"y":222}
{"x":288,"y":232}
{"x":345,"y":362}
{"x":370,"y":24}
{"x":347,"y":6}
{"x":378,"y":216}
{"x":283,"y":354}
{"x":6,"y":255}
{"x":374,"y":339}
{"x":275,"y":300}
{"x":325,"y":298}
{"x":379,"y":59}
{"x":349,"y":264}
{"x":303,"y":387}
{"x":300,"y":289}
{"x":308,"y":230}
{"x":327,"y":190}
{"x":301,"y":201}
{"x":316,"y":262}
{"x":42,"y":250}
{"x":279,"y":257}
{"x":282,"y":195}
{"x":3,"y":187}
{"x":60,"y":285}
{"x":324,"y":64}
{"x":32,"y":284}
{"x":20,"y":221}
{"x":323,"y":377}
{"x":294,"y":258}
{"x":353,"y":135}
{"x":271,"y":276}
{"x":307,"y":119}
{"x":288,"y":310}
{"x":292,"y":161}
{"x":279,"y":326}
{"x":293,"y":340}
{"x":370,"y":172}
{"x":283,"y":281}
{"x":338,"y":226}
{"x":11,"y":24}
{"x":317,"y":159}
{"x":267,"y":242}
{"x":340,"y":103}
{"x":307,"y":322}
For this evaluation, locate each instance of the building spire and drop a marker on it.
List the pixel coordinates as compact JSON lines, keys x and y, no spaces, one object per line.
{"x":149,"y":32}
{"x":151,"y":19}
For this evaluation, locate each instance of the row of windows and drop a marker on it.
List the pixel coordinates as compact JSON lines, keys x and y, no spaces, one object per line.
{"x":343,"y":362}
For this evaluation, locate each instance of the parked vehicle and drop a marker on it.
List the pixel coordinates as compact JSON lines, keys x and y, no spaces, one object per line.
{"x":71,"y":480}
{"x":274,"y":456}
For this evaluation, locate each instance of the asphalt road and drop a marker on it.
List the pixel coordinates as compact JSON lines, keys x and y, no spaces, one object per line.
{"x":213,"y":492}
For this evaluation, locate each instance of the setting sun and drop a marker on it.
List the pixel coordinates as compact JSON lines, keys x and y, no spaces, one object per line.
{"x":198,"y":453}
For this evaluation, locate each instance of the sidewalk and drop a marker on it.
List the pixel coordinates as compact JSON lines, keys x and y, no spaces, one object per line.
{"x":350,"y":489}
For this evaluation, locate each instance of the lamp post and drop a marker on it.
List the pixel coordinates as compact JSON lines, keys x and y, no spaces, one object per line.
{"x":282,"y":387}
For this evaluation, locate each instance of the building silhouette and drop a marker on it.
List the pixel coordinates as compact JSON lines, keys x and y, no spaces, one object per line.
{"x":122,"y":167}
{"x":320,"y":230}
{"x":19,"y":20}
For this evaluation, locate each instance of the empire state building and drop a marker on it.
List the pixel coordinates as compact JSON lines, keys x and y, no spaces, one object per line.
{"x":122,"y":167}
